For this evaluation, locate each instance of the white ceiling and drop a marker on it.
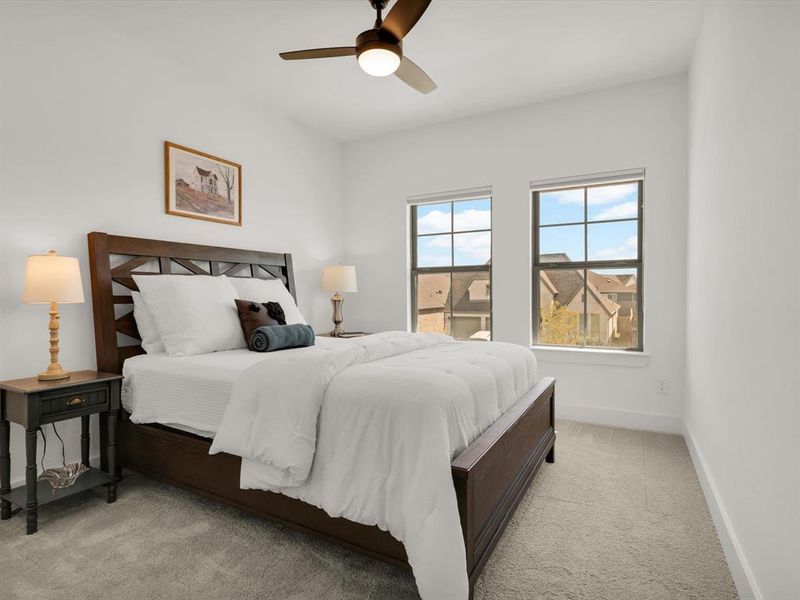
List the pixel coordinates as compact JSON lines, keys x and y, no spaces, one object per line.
{"x":485,"y":55}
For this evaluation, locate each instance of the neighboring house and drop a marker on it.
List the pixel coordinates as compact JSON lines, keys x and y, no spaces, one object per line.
{"x":472,"y":307}
{"x":432,"y":298}
{"x":471,"y":302}
{"x":610,"y":301}
{"x":204,"y":181}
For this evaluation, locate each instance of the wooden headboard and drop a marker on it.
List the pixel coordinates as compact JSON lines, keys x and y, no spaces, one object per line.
{"x":113,"y":259}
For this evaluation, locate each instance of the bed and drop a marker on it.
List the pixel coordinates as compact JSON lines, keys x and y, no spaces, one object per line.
{"x":489,"y":476}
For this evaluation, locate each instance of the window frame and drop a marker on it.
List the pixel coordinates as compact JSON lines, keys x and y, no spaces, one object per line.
{"x":586,"y":264}
{"x":414,"y":271}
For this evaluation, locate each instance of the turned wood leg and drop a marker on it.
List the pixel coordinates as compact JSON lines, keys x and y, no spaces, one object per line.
{"x":551,"y":456}
{"x":103,"y":441}
{"x":112,"y":456}
{"x":85,"y":440}
{"x":5,"y":469}
{"x":31,"y":505}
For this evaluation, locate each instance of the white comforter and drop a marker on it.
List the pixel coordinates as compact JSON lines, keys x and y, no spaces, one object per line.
{"x":393,"y":409}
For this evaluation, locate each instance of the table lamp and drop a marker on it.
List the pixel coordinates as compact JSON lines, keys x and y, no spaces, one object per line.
{"x":336,"y":279}
{"x":50,"y":279}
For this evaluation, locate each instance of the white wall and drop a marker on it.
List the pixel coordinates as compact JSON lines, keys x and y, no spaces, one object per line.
{"x":743,"y":399}
{"x":85,"y":111}
{"x":642,"y":125}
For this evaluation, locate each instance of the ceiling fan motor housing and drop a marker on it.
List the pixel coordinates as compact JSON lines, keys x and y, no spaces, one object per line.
{"x":378,"y":39}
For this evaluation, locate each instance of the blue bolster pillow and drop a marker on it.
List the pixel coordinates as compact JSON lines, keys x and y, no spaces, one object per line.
{"x":278,"y":337}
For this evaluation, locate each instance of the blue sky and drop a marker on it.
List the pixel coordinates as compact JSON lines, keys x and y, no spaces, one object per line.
{"x":606,"y":202}
{"x":606,"y":241}
{"x":470,"y":248}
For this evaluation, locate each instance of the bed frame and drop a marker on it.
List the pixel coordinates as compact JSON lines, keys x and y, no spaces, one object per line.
{"x":490,"y":476}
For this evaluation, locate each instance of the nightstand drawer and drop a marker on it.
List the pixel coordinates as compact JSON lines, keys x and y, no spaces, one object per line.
{"x":74,"y":401}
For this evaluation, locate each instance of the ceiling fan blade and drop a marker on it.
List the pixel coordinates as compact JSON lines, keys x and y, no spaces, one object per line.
{"x":403,"y":16}
{"x":411,"y":74}
{"x":319,"y":53}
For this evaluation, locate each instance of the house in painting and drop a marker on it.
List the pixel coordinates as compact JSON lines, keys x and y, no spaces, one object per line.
{"x":204,"y":181}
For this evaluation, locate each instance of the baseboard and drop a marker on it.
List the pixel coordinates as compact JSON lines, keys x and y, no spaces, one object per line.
{"x":743,"y":577}
{"x":627,"y":419}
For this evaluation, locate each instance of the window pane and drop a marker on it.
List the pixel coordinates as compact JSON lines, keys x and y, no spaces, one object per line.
{"x":612,"y":306}
{"x":564,"y":206}
{"x":613,"y":241}
{"x":472,"y":304}
{"x":561,"y":307}
{"x":472,"y":214}
{"x":433,"y":218}
{"x":472,"y":248}
{"x":561,"y":244}
{"x":618,"y":201}
{"x":433,"y":302}
{"x":434,"y":251}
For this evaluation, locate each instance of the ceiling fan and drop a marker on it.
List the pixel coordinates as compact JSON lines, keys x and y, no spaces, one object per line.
{"x":380,"y":50}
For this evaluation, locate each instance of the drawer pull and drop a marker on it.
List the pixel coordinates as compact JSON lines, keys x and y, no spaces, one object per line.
{"x":76,"y":401}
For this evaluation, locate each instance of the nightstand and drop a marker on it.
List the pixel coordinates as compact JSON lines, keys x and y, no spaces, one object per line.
{"x":32,"y":403}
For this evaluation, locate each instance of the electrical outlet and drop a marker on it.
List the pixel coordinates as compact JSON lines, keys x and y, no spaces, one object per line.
{"x":662,"y":386}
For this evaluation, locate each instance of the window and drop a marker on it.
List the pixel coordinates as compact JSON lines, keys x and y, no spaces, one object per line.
{"x":451,"y":268}
{"x":587,"y":263}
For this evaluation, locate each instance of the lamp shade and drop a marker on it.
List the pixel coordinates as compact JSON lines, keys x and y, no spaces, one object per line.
{"x":52,"y":278}
{"x":339,"y":278}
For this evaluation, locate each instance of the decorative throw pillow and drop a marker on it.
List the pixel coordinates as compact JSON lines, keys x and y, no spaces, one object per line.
{"x":278,"y":337}
{"x":258,"y":314}
{"x":268,"y":290}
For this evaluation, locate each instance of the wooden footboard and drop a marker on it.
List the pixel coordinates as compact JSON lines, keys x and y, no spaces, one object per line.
{"x":493,"y":473}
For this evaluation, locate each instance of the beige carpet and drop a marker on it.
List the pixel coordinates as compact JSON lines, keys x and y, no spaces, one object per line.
{"x":619,"y":516}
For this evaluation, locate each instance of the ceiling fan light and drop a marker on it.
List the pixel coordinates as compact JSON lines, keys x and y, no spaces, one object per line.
{"x":379,"y":62}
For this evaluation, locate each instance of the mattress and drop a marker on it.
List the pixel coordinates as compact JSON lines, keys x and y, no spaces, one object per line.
{"x":185,"y":392}
{"x":188,"y":393}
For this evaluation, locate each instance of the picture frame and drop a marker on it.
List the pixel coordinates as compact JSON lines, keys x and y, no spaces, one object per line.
{"x":202,"y":186}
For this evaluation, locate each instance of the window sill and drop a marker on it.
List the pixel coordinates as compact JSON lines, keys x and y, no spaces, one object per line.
{"x":587,"y":356}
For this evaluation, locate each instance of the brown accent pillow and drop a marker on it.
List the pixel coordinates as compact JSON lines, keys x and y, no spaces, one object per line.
{"x":258,"y":314}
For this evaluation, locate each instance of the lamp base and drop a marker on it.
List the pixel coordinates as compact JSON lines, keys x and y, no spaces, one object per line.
{"x":54,"y":374}
{"x":54,"y":370}
{"x":336,"y":301}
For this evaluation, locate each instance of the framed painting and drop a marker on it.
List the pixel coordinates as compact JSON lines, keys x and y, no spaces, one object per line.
{"x":202,"y":186}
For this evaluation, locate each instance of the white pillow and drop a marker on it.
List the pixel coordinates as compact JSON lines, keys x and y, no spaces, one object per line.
{"x":194,"y":314}
{"x":268,"y":290}
{"x":151,"y":341}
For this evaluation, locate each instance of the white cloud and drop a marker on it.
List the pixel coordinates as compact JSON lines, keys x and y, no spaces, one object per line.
{"x":439,"y":241}
{"x":567,"y":196}
{"x":472,"y":219}
{"x":474,"y":245}
{"x":470,"y":248}
{"x":597,"y":195}
{"x":438,"y":221}
{"x":611,"y":193}
{"x":618,"y":211}
{"x":435,"y":221}
{"x":627,"y":250}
